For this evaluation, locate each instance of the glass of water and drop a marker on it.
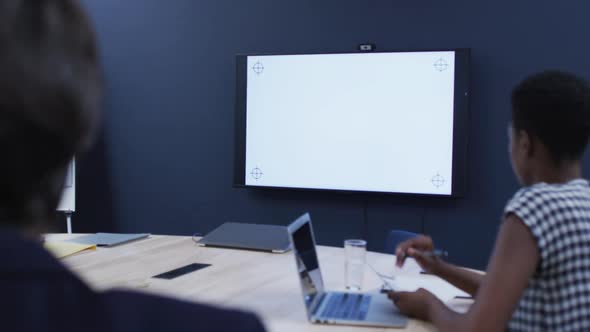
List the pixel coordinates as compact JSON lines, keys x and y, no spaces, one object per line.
{"x":355,"y":251}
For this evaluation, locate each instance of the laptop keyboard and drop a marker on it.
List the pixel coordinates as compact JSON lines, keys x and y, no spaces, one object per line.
{"x":346,"y":306}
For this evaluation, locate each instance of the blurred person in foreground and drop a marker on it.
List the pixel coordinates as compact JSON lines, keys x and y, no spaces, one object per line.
{"x":50,"y":95}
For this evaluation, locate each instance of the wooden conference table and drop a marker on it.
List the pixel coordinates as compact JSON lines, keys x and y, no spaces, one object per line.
{"x":264,"y":283}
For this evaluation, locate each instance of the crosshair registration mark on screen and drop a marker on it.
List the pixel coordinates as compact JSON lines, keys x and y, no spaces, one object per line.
{"x":256,"y":173}
{"x":438,"y":180}
{"x":258,"y":68}
{"x":441,"y":64}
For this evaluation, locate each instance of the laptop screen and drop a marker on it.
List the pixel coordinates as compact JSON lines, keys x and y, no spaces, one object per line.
{"x":307,"y":260}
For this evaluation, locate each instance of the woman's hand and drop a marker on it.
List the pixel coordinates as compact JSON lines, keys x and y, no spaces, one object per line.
{"x":418,"y":248}
{"x":414,"y":304}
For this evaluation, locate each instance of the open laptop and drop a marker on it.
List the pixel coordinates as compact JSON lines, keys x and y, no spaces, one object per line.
{"x":342,"y":308}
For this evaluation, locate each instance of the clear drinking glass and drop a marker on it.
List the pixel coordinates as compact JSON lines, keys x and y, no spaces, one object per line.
{"x":355,"y":251}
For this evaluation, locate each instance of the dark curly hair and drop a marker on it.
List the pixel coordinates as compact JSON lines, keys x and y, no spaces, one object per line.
{"x":554,"y":106}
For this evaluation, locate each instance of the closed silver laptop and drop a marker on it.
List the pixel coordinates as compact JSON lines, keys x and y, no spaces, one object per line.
{"x":270,"y":238}
{"x":326,"y":307}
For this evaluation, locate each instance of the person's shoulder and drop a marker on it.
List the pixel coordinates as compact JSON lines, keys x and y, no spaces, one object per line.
{"x":542,"y":191}
{"x":142,"y":312}
{"x":534,"y":204}
{"x":531,"y":196}
{"x":544,"y":202}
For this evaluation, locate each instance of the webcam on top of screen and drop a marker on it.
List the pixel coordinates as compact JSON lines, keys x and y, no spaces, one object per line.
{"x":367,"y":47}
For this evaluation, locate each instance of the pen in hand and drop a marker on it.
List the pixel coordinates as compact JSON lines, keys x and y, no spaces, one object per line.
{"x":420,"y":255}
{"x":438,"y":253}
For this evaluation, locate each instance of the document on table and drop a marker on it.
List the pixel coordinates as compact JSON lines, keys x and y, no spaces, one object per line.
{"x":64,"y":249}
{"x":437,"y":286}
{"x":108,"y":239}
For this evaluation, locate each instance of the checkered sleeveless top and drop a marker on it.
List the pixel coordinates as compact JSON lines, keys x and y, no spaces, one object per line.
{"x":558,"y":294}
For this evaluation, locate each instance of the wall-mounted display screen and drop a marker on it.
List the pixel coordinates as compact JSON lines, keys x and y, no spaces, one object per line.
{"x":387,"y":122}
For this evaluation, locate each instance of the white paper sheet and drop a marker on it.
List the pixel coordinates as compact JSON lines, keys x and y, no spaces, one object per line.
{"x":437,"y":286}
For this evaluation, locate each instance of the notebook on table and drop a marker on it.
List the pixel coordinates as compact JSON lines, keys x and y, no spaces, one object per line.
{"x":109,"y":239}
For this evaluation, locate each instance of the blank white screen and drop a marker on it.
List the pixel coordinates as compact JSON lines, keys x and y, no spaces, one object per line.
{"x":364,"y":122}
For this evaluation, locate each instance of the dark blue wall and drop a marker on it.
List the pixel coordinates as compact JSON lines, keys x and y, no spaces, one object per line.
{"x":164,"y":164}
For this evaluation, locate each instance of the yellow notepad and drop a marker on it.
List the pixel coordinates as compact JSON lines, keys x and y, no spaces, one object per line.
{"x":64,"y":249}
